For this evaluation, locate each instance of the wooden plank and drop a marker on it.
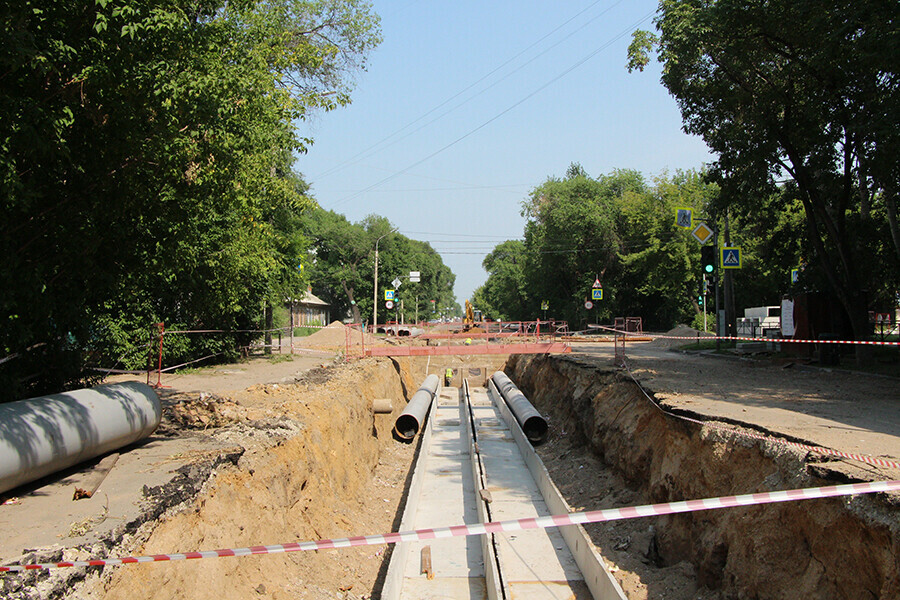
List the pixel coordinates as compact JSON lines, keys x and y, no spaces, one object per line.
{"x":92,"y":481}
{"x":426,"y":569}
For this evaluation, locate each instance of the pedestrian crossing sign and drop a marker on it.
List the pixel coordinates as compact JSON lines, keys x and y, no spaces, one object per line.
{"x":730,"y":257}
{"x":597,"y":294}
{"x":684,"y":217}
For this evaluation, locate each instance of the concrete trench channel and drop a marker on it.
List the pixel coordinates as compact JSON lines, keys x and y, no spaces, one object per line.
{"x":607,"y":447}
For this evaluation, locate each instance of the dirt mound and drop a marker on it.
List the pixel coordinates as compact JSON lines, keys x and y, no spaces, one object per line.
{"x":334,"y":336}
{"x":680,"y":331}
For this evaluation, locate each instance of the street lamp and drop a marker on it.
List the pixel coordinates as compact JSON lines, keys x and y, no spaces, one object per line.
{"x":375,"y":293}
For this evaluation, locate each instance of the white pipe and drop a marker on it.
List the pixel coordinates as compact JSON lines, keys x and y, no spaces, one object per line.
{"x":42,"y":435}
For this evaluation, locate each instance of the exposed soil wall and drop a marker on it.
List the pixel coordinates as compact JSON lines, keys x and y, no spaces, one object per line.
{"x":832,"y":548}
{"x":329,"y":468}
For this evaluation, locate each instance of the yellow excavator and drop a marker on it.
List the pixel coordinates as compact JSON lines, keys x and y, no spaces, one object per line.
{"x":471,"y":317}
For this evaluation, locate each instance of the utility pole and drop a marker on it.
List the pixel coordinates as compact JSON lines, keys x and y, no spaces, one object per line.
{"x":716,"y":281}
{"x":375,"y":291}
{"x":705,"y":288}
{"x":729,"y":288}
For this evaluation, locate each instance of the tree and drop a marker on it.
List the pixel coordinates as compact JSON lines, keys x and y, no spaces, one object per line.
{"x":616,"y":228}
{"x":503,"y":296}
{"x":660,"y":271}
{"x":342,"y":265}
{"x":145,"y":152}
{"x":806,"y":89}
{"x":338,"y":252}
{"x":436,"y":280}
{"x":571,"y":238}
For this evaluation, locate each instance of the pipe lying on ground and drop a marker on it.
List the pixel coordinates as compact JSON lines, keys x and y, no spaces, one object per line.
{"x":530,"y":420}
{"x":382,"y":406}
{"x":410,"y":421}
{"x":42,"y":435}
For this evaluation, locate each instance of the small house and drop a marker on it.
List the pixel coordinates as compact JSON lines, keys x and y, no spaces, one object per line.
{"x":308,"y":310}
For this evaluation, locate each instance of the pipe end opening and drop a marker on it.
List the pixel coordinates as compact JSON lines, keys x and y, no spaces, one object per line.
{"x":536,"y":430}
{"x":407,"y":426}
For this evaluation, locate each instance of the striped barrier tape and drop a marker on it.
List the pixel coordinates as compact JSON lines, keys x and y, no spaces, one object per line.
{"x":578,"y":518}
{"x":184,"y":331}
{"x":709,"y":338}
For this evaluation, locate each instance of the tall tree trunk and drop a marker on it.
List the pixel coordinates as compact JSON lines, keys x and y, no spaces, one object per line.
{"x":865,"y":196}
{"x":890,"y":201}
{"x":354,"y":307}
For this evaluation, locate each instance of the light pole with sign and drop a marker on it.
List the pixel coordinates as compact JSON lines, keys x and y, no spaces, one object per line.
{"x":375,"y":292}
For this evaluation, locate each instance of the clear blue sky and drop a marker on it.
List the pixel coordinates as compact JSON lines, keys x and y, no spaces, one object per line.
{"x":468,"y":105}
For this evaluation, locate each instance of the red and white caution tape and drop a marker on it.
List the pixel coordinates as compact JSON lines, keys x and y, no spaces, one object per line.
{"x":578,"y":518}
{"x":709,"y":338}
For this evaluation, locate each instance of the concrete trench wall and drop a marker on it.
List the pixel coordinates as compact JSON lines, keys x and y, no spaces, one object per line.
{"x":834,"y":548}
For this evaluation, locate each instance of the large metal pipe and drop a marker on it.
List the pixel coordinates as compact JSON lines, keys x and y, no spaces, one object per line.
{"x":533,"y":424}
{"x":410,"y":421}
{"x":42,"y":435}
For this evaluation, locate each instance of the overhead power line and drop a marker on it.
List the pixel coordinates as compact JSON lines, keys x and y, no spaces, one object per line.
{"x":369,"y":150}
{"x":501,"y":113}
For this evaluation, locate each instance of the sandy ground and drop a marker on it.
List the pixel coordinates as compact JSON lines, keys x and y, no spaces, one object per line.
{"x":847,"y":412}
{"x":43,"y":514}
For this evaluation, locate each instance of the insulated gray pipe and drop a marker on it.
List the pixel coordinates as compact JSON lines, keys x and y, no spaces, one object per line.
{"x":42,"y":435}
{"x":534,"y":426}
{"x":410,"y":420}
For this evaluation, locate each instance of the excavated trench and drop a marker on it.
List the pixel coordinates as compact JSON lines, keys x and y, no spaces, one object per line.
{"x":329,"y":467}
{"x":613,"y":447}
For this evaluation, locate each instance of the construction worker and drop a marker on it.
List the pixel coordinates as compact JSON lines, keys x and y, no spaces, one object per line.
{"x":448,"y":376}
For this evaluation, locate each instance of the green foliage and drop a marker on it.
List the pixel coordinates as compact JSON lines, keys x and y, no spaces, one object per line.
{"x":145,"y":154}
{"x":806,"y":89}
{"x":571,"y":237}
{"x":503,"y":296}
{"x":642,"y":44}
{"x":660,"y":263}
{"x":342,"y":266}
{"x":621,"y":230}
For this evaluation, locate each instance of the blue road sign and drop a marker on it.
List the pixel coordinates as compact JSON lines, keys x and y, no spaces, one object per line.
{"x":730,"y":257}
{"x":597,"y":294}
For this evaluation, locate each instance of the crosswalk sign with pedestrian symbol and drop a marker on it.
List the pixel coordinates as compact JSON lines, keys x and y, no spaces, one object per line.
{"x":731,"y":258}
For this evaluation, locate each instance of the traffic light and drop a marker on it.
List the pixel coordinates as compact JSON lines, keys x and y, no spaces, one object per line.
{"x":708,"y":259}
